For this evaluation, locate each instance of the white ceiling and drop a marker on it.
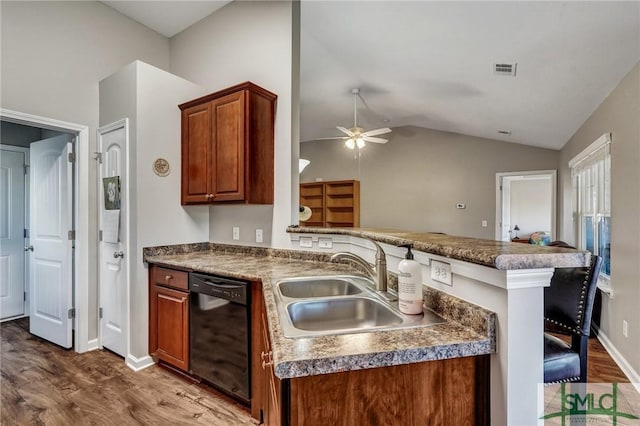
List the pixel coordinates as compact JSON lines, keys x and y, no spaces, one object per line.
{"x":167,"y":17}
{"x":430,"y":64}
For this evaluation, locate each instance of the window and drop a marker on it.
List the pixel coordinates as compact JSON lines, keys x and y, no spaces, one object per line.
{"x":591,"y":175}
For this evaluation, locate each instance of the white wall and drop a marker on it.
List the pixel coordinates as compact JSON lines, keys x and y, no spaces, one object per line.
{"x":531,"y":206}
{"x":149,"y":97}
{"x":247,"y":41}
{"x":53,"y":56}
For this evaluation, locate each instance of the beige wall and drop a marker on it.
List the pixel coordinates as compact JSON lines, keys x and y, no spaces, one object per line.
{"x":618,"y":114}
{"x":415,"y":181}
{"x":53,"y":56}
{"x":247,"y":41}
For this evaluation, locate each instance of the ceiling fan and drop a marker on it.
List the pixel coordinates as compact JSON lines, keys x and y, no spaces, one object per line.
{"x":356,"y":136}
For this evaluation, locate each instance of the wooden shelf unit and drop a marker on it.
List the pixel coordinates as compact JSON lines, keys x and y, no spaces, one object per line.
{"x":334,"y":204}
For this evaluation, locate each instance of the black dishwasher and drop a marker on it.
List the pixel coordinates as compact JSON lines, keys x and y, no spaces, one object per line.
{"x":220,"y":333}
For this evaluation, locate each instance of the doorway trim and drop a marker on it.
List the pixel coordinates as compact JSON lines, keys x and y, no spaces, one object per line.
{"x":81,"y":209}
{"x":553,"y":174}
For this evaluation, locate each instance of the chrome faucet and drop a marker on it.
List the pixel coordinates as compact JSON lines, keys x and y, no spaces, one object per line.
{"x":377,"y":273}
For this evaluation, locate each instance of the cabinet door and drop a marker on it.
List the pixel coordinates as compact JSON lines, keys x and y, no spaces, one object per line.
{"x":228,"y":147}
{"x":196,"y":154}
{"x":172,"y":325}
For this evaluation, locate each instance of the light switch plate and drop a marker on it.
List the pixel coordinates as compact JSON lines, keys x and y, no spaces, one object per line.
{"x":306,"y":242}
{"x":441,"y":272}
{"x":325,"y":243}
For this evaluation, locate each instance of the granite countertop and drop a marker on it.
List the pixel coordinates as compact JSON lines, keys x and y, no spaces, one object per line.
{"x":469,"y":330}
{"x":503,"y":255}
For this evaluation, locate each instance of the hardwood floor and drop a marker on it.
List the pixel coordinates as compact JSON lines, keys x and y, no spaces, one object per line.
{"x":600,"y":366}
{"x":43,"y":384}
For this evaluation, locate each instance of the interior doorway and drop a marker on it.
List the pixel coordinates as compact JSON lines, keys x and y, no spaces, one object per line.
{"x":54,"y":223}
{"x":525,"y":204}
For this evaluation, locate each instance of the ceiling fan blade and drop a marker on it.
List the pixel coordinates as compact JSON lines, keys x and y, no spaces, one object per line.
{"x":376,"y":132}
{"x":374,"y":140}
{"x":345,"y":130}
{"x":333,"y":138}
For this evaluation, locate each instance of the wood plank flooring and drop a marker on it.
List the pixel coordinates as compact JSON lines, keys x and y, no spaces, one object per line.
{"x":601,"y":368}
{"x":43,"y":384}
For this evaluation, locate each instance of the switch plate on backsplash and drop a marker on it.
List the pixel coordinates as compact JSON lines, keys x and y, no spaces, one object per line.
{"x":441,"y":272}
{"x":325,"y":243}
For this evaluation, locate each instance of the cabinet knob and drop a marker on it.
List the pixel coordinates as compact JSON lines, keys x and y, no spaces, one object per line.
{"x":168,"y":277}
{"x":210,"y":196}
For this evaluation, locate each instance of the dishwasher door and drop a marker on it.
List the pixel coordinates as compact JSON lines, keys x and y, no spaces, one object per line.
{"x":220,"y":333}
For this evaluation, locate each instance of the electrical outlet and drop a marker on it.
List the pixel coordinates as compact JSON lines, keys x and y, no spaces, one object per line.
{"x":325,"y":243}
{"x":306,"y":242}
{"x":625,"y":328}
{"x":236,"y":233}
{"x":258,"y":235}
{"x":441,"y":272}
{"x":484,"y":224}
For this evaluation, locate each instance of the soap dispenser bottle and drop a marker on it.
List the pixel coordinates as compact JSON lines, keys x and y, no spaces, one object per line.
{"x":409,"y":284}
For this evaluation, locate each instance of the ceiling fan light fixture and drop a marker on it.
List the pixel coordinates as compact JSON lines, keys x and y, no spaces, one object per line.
{"x":360,"y":143}
{"x":349,"y":143}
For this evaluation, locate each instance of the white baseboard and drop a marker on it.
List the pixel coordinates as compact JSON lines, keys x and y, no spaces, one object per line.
{"x":92,"y":345}
{"x":137,"y":364}
{"x":624,"y":365}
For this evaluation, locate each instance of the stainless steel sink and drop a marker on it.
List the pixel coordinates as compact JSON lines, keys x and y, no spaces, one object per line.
{"x":339,"y":304}
{"x":341,"y":314}
{"x":302,"y":288}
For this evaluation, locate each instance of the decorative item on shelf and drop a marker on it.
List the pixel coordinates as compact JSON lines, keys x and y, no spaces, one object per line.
{"x":516,"y":229}
{"x":161,"y":167}
{"x":302,"y":163}
{"x":305,"y":213}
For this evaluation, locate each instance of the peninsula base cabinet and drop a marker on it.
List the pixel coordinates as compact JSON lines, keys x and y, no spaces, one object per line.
{"x":447,"y":392}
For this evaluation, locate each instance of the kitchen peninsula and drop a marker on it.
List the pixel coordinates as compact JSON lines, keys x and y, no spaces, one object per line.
{"x":503,"y":277}
{"x":503,"y":318}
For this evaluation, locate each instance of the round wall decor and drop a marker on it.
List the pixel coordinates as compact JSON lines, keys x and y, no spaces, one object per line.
{"x":161,"y":167}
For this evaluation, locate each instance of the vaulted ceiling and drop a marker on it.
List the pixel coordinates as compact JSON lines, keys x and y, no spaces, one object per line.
{"x":431,"y":64}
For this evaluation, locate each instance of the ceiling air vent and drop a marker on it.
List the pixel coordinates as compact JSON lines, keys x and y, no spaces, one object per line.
{"x":505,"y":69}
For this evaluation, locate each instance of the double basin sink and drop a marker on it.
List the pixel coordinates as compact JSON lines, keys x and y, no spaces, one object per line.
{"x":339,"y":304}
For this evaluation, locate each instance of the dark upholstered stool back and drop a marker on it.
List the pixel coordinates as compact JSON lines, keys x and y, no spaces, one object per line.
{"x":568,"y":305}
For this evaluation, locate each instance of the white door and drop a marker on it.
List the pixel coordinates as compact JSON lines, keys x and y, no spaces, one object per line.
{"x":112,"y":143}
{"x":51,"y":264}
{"x":12,"y":241}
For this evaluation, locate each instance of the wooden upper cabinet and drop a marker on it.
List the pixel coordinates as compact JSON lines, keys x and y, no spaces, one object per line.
{"x":227,"y":146}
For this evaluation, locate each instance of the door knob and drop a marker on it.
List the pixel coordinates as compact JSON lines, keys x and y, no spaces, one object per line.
{"x":118,"y":254}
{"x":28,"y":248}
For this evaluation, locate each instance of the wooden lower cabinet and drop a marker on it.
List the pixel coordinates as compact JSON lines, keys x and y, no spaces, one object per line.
{"x":447,"y":392}
{"x":169,"y":317}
